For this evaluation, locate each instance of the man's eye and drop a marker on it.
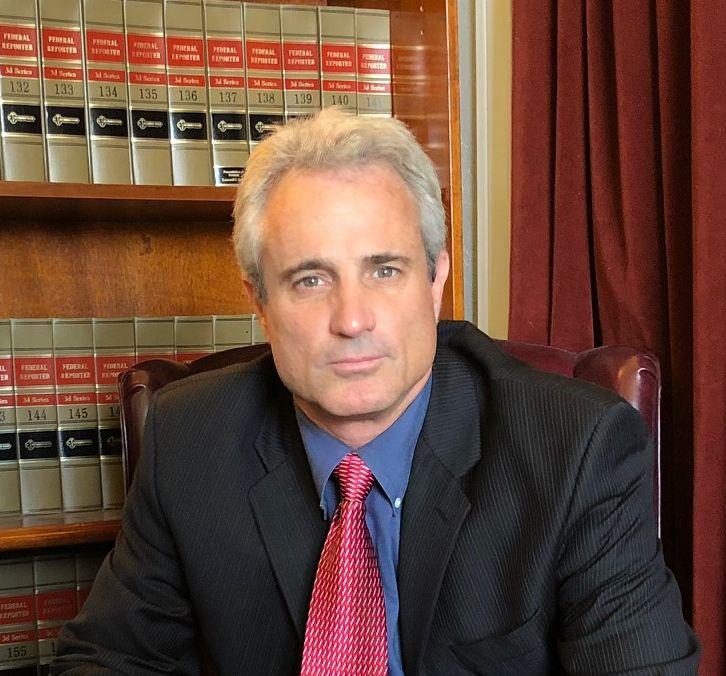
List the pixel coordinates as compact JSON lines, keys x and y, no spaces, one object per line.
{"x":385,"y":272}
{"x":309,"y":282}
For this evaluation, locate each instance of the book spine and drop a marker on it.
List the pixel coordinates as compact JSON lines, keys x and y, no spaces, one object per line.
{"x":114,"y":350}
{"x":154,"y":338}
{"x":21,"y":97}
{"x":56,"y":602}
{"x":194,"y":338}
{"x":107,"y":92}
{"x":35,"y":410}
{"x":9,"y":478}
{"x":226,"y":90}
{"x":264,"y":69}
{"x":147,"y":92}
{"x":232,"y":331}
{"x":64,"y":92}
{"x":187,"y":82}
{"x":373,"y":50}
{"x":18,"y":617}
{"x":337,"y":57}
{"x":300,"y":60}
{"x":75,"y":376}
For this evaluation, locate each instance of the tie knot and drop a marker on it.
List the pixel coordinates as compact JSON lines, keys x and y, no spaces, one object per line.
{"x":354,"y":478}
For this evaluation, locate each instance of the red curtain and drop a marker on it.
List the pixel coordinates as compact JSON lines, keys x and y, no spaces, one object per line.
{"x":619,"y":234}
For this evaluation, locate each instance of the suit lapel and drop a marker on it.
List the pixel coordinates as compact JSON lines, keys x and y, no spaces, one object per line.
{"x":287,"y":510}
{"x":436,"y":504}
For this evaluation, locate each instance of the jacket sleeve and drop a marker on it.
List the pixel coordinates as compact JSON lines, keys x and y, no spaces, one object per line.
{"x":619,"y":606}
{"x":137,"y":618}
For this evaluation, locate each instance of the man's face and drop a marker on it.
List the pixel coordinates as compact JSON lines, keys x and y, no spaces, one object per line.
{"x":350,"y":309}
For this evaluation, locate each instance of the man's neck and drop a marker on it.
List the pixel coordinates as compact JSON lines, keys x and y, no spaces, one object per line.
{"x":357,"y":431}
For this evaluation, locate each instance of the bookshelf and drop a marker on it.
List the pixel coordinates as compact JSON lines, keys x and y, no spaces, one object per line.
{"x":101,"y":251}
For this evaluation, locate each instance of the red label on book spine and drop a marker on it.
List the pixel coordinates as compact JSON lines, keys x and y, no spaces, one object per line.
{"x":224,"y":53}
{"x":104,"y":75}
{"x":62,"y":44}
{"x":301,"y":56}
{"x":36,"y":399}
{"x":18,"y":636}
{"x":16,"y":609}
{"x":339,"y":59}
{"x":184,"y":52}
{"x":145,"y":50}
{"x":56,"y":73}
{"x":187,"y":80}
{"x":189,"y":357}
{"x":21,"y":71}
{"x":18,"y":41}
{"x":6,"y":372}
{"x":108,"y":367}
{"x":339,"y":86}
{"x":148,"y":78}
{"x":77,"y":398}
{"x":60,"y":604}
{"x":226,"y":82}
{"x":76,"y":370}
{"x":34,"y":371}
{"x":104,"y":46}
{"x":374,"y":87}
{"x":263,"y":55}
{"x":264,"y":83}
{"x":300,"y":84}
{"x":7,"y":400}
{"x":374,"y":61}
{"x":49,"y":632}
{"x":108,"y":398}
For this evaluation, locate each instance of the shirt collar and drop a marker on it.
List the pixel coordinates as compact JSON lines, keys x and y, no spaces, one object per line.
{"x":388,"y":455}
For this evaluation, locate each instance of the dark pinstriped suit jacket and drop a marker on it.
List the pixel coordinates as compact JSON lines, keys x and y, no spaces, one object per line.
{"x":527,"y":540}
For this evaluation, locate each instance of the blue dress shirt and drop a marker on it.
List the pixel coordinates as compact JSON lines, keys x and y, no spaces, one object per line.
{"x":389,"y":457}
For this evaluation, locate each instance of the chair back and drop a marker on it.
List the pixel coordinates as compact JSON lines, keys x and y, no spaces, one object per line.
{"x":634,"y":375}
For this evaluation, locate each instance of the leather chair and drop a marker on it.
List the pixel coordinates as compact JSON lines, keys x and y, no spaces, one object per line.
{"x":634,"y":375}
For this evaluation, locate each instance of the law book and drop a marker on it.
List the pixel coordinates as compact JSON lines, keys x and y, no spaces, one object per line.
{"x":9,"y":477}
{"x":232,"y":331}
{"x":300,"y":60}
{"x":194,"y":337}
{"x":21,"y":132}
{"x":258,"y":331}
{"x":64,"y":91}
{"x":264,"y":69}
{"x":18,"y":631}
{"x":75,"y":376}
{"x":103,"y":24}
{"x":373,"y":50}
{"x":36,"y":415}
{"x":87,"y":566}
{"x":115,"y":351}
{"x":337,"y":57}
{"x":187,"y":83}
{"x":227,"y":94}
{"x":154,"y":338}
{"x":55,"y":600}
{"x":147,"y":92}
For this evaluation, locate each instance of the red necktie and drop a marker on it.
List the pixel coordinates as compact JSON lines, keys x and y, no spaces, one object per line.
{"x":346,"y":628}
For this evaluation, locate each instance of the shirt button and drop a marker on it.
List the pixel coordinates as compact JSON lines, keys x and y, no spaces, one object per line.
{"x":397,"y":503}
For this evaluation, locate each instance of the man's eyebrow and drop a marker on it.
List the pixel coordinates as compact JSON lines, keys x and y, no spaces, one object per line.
{"x":387,"y":257}
{"x":309,"y":264}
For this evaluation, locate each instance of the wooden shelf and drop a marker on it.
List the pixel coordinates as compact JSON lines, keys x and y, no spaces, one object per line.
{"x":77,"y":201}
{"x":54,"y":530}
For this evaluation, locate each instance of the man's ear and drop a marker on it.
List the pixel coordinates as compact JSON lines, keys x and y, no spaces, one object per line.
{"x":437,"y":286}
{"x":254,"y":298}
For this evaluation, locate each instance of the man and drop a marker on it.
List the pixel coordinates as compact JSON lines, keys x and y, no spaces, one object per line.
{"x":378,"y":494}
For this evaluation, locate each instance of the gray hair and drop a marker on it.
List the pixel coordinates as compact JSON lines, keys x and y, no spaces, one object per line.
{"x":330,"y":140}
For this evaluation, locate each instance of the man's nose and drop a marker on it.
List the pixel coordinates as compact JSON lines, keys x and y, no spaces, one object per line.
{"x":353,"y":312}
